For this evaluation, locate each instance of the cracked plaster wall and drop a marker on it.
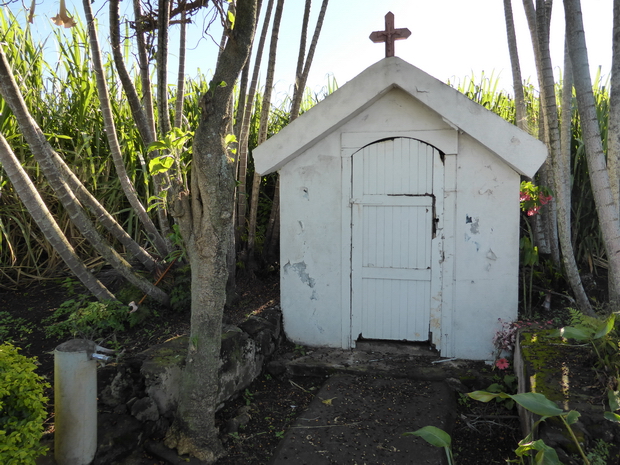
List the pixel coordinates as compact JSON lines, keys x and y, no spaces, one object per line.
{"x":486,"y":249}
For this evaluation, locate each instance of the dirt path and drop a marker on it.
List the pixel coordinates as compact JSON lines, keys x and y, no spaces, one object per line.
{"x":361,"y":419}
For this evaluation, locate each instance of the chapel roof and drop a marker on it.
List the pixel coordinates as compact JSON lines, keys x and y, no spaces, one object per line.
{"x":524,"y":153}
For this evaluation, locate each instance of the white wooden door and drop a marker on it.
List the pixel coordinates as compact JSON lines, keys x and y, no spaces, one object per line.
{"x":393,"y":220}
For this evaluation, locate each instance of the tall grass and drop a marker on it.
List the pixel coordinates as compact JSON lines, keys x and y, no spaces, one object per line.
{"x":63,"y":100}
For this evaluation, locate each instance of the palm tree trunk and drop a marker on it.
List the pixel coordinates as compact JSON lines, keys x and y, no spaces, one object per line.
{"x":517,"y":80}
{"x":273,"y":231}
{"x":45,"y":156}
{"x":599,"y":177}
{"x":163,"y":21}
{"x":154,"y":235}
{"x":178,"y":113}
{"x":299,"y":88}
{"x":613,"y":125}
{"x":33,"y":202}
{"x":143,"y":64}
{"x":245,"y":125}
{"x":556,"y":164}
{"x":138,"y":112}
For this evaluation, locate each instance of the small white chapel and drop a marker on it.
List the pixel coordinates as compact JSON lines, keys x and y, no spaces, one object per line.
{"x":399,"y":213}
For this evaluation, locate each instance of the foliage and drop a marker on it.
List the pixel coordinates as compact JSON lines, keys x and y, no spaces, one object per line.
{"x":436,"y":437}
{"x":603,"y":336}
{"x":533,"y":197}
{"x":540,"y":405}
{"x":22,"y":408}
{"x":599,"y":454}
{"x":180,"y":294}
{"x":505,"y":338}
{"x":14,"y":329}
{"x":506,"y":383}
{"x":89,"y":320}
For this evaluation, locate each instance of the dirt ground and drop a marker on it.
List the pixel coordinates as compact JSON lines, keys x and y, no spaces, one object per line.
{"x":482,"y":433}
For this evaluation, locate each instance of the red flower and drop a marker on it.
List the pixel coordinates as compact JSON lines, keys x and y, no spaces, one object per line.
{"x":502,"y":363}
{"x":544,"y":199}
{"x":532,"y":211}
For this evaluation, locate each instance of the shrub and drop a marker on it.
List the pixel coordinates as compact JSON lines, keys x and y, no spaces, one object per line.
{"x":22,"y":408}
{"x":88,"y":320}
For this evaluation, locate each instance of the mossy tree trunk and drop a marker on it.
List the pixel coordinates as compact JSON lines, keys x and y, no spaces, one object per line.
{"x":205,"y":219}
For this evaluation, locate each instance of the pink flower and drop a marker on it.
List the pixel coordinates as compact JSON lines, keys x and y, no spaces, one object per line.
{"x":532,"y":211}
{"x":544,"y":199}
{"x":524,"y":196}
{"x":502,"y":363}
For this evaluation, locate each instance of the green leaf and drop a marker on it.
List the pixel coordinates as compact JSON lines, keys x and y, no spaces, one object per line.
{"x":614,"y":400}
{"x":537,"y":403}
{"x":605,"y":327}
{"x":160,"y":164}
{"x":572,"y":417}
{"x":229,"y":139}
{"x":546,"y":455}
{"x":525,"y":445}
{"x":434,"y":436}
{"x":157,"y":145}
{"x":484,"y":396}
{"x":571,"y":332}
{"x":612,"y":417}
{"x":231,"y":19}
{"x":495,"y":387}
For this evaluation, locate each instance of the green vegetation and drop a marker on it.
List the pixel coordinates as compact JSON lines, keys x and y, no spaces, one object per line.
{"x":63,"y":100}
{"x":22,"y":407}
{"x":528,"y":447}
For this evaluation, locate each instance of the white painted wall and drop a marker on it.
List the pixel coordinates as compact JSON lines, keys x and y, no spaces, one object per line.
{"x":486,"y":249}
{"x":310,"y":244}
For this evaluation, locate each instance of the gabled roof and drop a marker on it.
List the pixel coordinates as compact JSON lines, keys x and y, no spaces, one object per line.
{"x":522,"y":152}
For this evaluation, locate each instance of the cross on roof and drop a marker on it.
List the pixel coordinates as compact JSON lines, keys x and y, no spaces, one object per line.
{"x":390,"y":34}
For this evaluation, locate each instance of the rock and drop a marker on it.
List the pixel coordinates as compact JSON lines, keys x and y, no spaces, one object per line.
{"x":145,"y":409}
{"x":147,"y":385}
{"x":162,"y":373}
{"x":118,"y":391}
{"x":256,"y":324}
{"x":118,"y":436}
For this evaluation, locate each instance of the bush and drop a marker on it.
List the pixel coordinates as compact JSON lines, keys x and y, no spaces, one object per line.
{"x":22,"y":408}
{"x":88,"y":320}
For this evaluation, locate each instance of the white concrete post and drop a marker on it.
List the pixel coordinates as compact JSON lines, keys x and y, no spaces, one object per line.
{"x":75,"y":402}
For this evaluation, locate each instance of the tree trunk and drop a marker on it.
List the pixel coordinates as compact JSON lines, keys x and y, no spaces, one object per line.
{"x":300,"y":87}
{"x":273,"y":234}
{"x":262,"y":132}
{"x":163,"y":22}
{"x":110,"y":129}
{"x":599,"y":177}
{"x":244,"y":133}
{"x":206,"y":223}
{"x":143,"y":124}
{"x":143,"y":64}
{"x":45,"y":156}
{"x":555,"y":165}
{"x":178,"y":112}
{"x":517,"y":80}
{"x":562,"y":186}
{"x":33,"y":202}
{"x":613,"y":126}
{"x":137,"y":111}
{"x":273,"y":230}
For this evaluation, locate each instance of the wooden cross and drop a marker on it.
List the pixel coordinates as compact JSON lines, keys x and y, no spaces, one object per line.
{"x":390,"y":34}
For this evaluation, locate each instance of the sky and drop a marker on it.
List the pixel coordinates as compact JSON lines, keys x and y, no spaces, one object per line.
{"x":450,"y":39}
